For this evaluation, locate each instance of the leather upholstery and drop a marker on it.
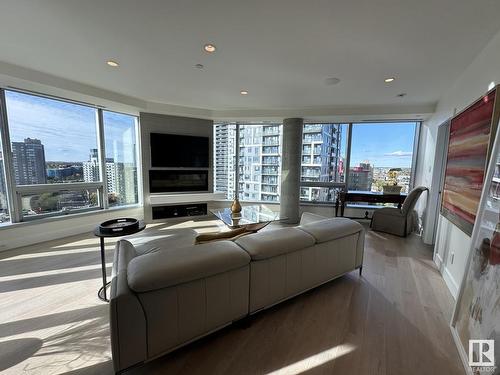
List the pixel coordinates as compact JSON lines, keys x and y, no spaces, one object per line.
{"x":184,"y":264}
{"x":183,"y":312}
{"x":267,"y":244}
{"x":308,"y":217}
{"x":145,"y":242}
{"x":128,"y":341}
{"x":331,"y":229}
{"x":276,"y":275}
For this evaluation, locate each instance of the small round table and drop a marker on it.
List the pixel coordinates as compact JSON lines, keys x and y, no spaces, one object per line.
{"x":98,"y":233}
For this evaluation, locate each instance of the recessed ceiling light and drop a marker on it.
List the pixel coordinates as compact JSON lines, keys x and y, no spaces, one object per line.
{"x":244,"y":92}
{"x":199,"y":66}
{"x":332,"y":81}
{"x":389,"y":79}
{"x":112,"y":63}
{"x":209,"y":48}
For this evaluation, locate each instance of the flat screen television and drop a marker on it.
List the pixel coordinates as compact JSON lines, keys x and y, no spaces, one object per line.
{"x":179,"y":151}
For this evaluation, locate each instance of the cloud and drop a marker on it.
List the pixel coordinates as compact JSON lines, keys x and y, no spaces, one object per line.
{"x":399,"y":153}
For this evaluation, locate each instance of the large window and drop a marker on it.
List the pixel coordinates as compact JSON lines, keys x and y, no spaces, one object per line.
{"x":57,"y":161}
{"x":121,"y":158}
{"x":323,"y":159}
{"x":258,"y":165}
{"x":381,"y":154}
{"x":50,"y":139}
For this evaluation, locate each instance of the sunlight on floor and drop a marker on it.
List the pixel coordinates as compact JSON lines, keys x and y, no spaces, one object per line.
{"x":315,"y":360}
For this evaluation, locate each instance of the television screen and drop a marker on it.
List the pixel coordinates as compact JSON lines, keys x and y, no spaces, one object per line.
{"x":179,"y":151}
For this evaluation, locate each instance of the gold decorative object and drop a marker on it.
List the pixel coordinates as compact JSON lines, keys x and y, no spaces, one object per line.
{"x":236,"y":206}
{"x":392,"y":187}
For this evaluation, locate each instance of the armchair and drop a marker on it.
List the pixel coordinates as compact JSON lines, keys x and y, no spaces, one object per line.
{"x":397,"y":221}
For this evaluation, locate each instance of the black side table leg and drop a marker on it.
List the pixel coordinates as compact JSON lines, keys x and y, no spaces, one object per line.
{"x":102,"y":292}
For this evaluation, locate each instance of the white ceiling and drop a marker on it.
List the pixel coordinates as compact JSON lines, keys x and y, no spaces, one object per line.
{"x":281,"y":51}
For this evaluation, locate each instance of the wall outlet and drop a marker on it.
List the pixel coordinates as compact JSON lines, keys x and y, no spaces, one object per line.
{"x":452,"y":258}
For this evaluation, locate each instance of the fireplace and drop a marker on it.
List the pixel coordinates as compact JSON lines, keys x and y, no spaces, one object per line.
{"x":170,"y":181}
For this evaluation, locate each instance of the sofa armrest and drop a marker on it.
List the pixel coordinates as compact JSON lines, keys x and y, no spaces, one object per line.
{"x":127,"y":320}
{"x":308,"y":217}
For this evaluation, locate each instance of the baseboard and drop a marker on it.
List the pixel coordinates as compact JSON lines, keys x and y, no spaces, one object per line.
{"x":450,"y":283}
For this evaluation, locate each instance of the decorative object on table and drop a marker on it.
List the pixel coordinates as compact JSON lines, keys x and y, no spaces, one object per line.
{"x":392,"y":187}
{"x":398,"y":221}
{"x":236,"y":206}
{"x":122,"y":226}
{"x":114,"y":228}
{"x":477,"y":310}
{"x":253,"y":218}
{"x":467,"y":161}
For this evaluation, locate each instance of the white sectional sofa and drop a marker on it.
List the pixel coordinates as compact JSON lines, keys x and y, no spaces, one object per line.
{"x":167,"y":292}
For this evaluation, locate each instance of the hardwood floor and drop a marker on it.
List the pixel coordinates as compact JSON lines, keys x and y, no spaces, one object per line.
{"x":392,"y":320}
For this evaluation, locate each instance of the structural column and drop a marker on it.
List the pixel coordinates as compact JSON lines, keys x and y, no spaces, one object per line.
{"x":290,"y":169}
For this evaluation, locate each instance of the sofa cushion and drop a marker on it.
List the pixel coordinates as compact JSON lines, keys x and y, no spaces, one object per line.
{"x":331,"y":229}
{"x":268,"y":244}
{"x":309,"y":217}
{"x":162,"y":269}
{"x":159,"y":240}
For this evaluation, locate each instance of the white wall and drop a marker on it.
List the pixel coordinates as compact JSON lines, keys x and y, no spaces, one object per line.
{"x":452,"y":245}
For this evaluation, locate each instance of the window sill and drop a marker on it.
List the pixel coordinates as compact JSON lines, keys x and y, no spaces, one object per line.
{"x":49,"y":219}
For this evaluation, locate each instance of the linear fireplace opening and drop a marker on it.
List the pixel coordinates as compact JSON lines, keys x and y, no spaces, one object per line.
{"x":169,"y":181}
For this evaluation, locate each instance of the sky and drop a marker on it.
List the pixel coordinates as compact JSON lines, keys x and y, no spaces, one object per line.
{"x":382,"y":144}
{"x":68,"y":131}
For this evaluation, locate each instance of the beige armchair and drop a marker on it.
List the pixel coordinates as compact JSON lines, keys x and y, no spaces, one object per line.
{"x":397,"y":221}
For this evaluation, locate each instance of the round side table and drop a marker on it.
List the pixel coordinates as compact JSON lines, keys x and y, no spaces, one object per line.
{"x":98,"y":233}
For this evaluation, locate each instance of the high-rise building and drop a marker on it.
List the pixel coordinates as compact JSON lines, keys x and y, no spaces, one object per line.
{"x":29,"y":162}
{"x":361,"y":177}
{"x":321,"y":160}
{"x":91,"y":167}
{"x":224,"y":158}
{"x":259,"y":161}
{"x":91,"y":171}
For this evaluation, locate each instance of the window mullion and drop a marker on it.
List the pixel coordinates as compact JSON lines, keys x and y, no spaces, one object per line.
{"x":347,"y":166}
{"x":237,"y":163}
{"x":416,"y":146}
{"x":138,"y":163}
{"x":12,"y":198}
{"x":102,"y":158}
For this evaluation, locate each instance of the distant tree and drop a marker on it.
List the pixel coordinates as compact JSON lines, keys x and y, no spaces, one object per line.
{"x":44,"y":202}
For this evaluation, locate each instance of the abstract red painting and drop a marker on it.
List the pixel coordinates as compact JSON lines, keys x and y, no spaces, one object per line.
{"x":468,"y":147}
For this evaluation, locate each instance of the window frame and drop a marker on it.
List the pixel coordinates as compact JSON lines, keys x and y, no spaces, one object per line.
{"x":15,"y":192}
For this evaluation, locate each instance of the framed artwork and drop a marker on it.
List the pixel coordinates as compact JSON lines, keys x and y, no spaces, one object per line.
{"x":471,"y":136}
{"x":477,"y":310}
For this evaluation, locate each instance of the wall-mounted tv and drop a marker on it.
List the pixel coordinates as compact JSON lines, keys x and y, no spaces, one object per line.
{"x":179,"y":151}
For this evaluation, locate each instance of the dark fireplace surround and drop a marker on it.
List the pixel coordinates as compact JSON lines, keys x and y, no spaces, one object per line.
{"x":178,"y":180}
